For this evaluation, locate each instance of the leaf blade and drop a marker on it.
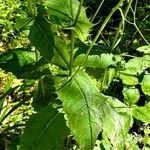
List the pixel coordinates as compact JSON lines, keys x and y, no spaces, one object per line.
{"x":44,"y":132}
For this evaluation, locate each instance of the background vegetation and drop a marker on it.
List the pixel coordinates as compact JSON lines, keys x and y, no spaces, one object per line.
{"x":74,"y":77}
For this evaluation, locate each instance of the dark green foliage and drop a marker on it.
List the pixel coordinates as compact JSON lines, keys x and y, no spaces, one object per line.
{"x":45,"y":93}
{"x":17,"y":61}
{"x":86,"y":83}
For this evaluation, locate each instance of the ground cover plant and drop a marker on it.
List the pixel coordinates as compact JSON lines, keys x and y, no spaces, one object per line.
{"x":75,"y":77}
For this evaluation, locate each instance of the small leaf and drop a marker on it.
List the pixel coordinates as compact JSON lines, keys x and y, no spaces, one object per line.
{"x":95,"y":61}
{"x":127,"y":78}
{"x":131,"y":95}
{"x":137,"y":65}
{"x":142,"y":113}
{"x":44,"y":132}
{"x":109,"y":74}
{"x":145,"y":49}
{"x":145,"y":84}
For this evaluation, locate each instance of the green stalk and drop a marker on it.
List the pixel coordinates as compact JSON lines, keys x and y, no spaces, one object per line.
{"x":74,"y":21}
{"x":98,"y":34}
{"x":121,"y":23}
{"x":72,"y":42}
{"x":141,"y":34}
{"x":36,"y":54}
{"x":71,"y":53}
{"x":101,"y":29}
{"x":135,"y":25}
{"x":71,"y":7}
{"x":30,"y":7}
{"x":99,"y":7}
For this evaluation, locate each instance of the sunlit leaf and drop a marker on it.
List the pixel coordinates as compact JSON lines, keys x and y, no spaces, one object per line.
{"x":142,"y":113}
{"x":95,"y":61}
{"x":137,"y":65}
{"x":145,"y":49}
{"x":88,"y":112}
{"x":145,"y":84}
{"x":131,"y":95}
{"x":127,"y":78}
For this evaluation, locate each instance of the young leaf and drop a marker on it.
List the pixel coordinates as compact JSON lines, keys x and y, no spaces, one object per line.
{"x":127,"y":78}
{"x":142,"y":113}
{"x":131,"y":95}
{"x":107,"y":78}
{"x":137,"y":65}
{"x":145,"y":49}
{"x":145,"y":84}
{"x":44,"y":132}
{"x":88,"y":112}
{"x":65,"y":16}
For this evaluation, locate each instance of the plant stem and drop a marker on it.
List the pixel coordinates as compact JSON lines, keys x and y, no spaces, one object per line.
{"x":30,"y":11}
{"x":72,"y":33}
{"x":101,"y":29}
{"x":71,"y":53}
{"x":99,"y":7}
{"x":71,"y":7}
{"x":141,"y":34}
{"x":98,"y":34}
{"x":36,"y":54}
{"x":135,"y":25}
{"x":120,"y":24}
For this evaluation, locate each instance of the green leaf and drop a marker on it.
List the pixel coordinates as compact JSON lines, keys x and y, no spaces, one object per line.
{"x":127,"y":78}
{"x":145,"y":84}
{"x":44,"y":132}
{"x":17,"y":61}
{"x":131,"y":95}
{"x":142,"y":113}
{"x":22,"y":23}
{"x":109,"y":74}
{"x":40,"y":68}
{"x":65,"y":17}
{"x":95,"y":61}
{"x":61,"y":54}
{"x":41,"y":37}
{"x":22,"y":63}
{"x":137,"y":65}
{"x":88,"y":112}
{"x":45,"y":93}
{"x":98,"y":49}
{"x":145,"y":49}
